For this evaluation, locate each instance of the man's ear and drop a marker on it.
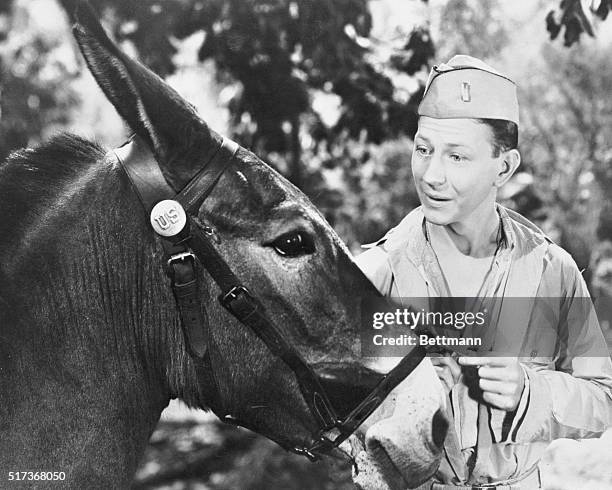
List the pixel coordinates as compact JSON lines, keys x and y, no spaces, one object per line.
{"x":508,"y":163}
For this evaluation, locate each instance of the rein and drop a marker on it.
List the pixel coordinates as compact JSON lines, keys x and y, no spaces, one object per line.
{"x":188,"y":245}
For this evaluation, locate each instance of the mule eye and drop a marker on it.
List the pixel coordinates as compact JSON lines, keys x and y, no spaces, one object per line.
{"x":294,"y":244}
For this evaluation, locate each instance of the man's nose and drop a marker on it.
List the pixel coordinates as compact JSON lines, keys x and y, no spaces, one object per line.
{"x":435,"y":174}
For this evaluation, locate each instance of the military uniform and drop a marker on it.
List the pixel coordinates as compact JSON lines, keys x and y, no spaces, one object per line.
{"x":552,"y":329}
{"x":569,"y":390}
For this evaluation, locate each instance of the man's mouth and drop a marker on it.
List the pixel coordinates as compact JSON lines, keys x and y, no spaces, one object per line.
{"x":435,"y":199}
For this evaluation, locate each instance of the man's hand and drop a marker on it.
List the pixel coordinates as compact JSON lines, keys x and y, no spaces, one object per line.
{"x":501,"y":380}
{"x":447,"y":370}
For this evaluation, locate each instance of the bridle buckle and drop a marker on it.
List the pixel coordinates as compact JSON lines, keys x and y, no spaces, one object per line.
{"x":302,"y":451}
{"x":181,"y":257}
{"x":232,"y":295}
{"x":181,"y":275}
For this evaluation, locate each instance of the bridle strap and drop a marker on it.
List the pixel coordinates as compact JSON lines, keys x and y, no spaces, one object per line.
{"x":145,"y":174}
{"x":193,"y":246}
{"x":198,"y":189}
{"x":151,"y":186}
{"x":356,"y":417}
{"x":237,"y":299}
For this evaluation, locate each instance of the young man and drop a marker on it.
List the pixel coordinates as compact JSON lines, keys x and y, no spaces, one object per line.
{"x":556,"y":378}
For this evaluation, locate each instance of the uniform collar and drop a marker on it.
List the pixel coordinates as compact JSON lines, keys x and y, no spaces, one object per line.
{"x":518,"y":234}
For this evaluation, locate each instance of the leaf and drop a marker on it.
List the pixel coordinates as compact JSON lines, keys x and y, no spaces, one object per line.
{"x":604,"y":8}
{"x":583,"y":19}
{"x":552,"y":26}
{"x":574,"y":19}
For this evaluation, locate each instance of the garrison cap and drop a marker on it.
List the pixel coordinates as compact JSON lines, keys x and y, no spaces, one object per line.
{"x":467,"y":87}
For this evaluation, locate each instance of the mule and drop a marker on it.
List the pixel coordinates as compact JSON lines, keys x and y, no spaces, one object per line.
{"x":92,"y":345}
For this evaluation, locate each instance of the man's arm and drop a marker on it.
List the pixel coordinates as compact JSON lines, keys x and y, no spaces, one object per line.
{"x":575,"y":400}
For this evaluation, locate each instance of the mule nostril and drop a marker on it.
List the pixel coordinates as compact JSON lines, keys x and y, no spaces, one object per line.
{"x":439,"y":427}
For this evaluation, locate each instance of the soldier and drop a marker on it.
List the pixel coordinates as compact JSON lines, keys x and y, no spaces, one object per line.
{"x":461,"y":243}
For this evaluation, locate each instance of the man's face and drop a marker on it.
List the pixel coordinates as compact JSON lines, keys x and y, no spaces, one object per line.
{"x":454,"y":169}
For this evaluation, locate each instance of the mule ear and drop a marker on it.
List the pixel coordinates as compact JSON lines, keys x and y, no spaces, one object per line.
{"x":154,"y":111}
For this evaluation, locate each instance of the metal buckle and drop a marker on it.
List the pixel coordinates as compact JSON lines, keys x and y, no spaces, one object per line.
{"x":302,"y":451}
{"x":181,"y":257}
{"x":233,"y":294}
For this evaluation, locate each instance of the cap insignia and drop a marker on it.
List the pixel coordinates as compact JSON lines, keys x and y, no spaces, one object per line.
{"x":466,"y":96}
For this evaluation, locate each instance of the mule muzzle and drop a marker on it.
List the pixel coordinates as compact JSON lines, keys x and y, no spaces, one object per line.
{"x":357,"y":393}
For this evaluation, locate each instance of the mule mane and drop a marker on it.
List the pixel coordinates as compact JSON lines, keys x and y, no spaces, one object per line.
{"x":76,"y":258}
{"x":60,"y":156}
{"x":33,"y":174}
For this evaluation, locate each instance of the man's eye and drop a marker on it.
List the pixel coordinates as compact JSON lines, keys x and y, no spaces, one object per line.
{"x":456,"y":157}
{"x":294,"y":244}
{"x":423,"y":151}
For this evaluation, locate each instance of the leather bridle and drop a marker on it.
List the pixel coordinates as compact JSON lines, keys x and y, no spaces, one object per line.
{"x":189,"y":245}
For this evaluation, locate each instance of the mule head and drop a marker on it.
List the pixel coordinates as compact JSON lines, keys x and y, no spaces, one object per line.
{"x":273,"y":239}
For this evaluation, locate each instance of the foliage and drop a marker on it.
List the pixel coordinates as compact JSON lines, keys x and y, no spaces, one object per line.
{"x":33,"y":76}
{"x":280,"y":54}
{"x":569,"y":153}
{"x":483,"y":32}
{"x":363,"y":189}
{"x":381,"y":192}
{"x":572,"y":16}
{"x":206,"y":453}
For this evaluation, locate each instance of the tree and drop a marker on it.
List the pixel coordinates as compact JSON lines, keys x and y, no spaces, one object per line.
{"x":568,"y":117}
{"x":34,"y":91}
{"x":279,"y":53}
{"x":483,"y":31}
{"x":572,"y":17}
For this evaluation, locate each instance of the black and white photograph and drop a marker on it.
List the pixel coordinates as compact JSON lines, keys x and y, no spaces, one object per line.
{"x":306,"y":244}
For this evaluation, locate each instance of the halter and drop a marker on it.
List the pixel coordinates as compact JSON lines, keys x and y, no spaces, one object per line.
{"x":187,"y":245}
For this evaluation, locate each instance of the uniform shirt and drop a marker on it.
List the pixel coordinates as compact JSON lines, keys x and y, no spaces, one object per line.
{"x":464,"y":275}
{"x":568,"y":370}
